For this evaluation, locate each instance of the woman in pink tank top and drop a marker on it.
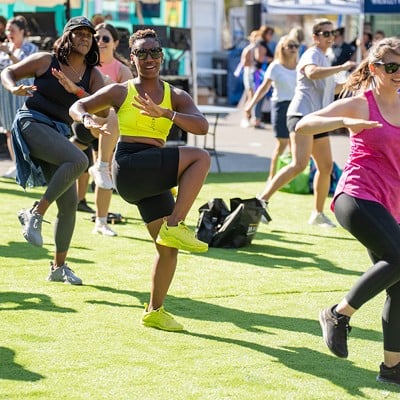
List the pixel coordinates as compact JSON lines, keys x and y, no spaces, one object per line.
{"x":367,"y":199}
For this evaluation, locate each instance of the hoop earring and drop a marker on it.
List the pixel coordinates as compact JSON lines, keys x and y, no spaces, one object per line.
{"x":89,"y":56}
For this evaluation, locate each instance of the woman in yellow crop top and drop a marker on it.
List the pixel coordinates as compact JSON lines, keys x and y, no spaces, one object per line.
{"x":144,"y":170}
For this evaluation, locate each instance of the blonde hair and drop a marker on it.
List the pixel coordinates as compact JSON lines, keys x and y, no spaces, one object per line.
{"x":280,"y":55}
{"x":362,"y":79}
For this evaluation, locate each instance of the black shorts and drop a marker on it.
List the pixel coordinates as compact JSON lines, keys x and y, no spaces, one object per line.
{"x":81,"y":134}
{"x":292,"y":121}
{"x":144,"y":174}
{"x":278,"y":118}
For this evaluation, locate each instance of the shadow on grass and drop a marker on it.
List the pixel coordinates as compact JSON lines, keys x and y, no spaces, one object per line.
{"x":249,"y":321}
{"x":10,"y":370}
{"x":25,"y":251}
{"x":13,"y":189}
{"x":17,"y":301}
{"x":271,"y":256}
{"x":340,"y":372}
{"x":236,"y":177}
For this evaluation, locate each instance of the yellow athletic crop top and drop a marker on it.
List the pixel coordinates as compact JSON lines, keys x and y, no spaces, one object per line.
{"x":132,"y":123}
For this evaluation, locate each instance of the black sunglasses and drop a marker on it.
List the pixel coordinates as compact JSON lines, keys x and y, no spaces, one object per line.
{"x":105,"y":39}
{"x":292,"y":46}
{"x":390,"y":68}
{"x":141,"y":54}
{"x":326,"y":34}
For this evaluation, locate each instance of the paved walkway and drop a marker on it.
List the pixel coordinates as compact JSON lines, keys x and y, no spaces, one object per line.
{"x":243,"y":149}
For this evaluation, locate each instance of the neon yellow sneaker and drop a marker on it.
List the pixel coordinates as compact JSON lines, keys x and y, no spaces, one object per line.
{"x":180,"y":237}
{"x":160,"y":319}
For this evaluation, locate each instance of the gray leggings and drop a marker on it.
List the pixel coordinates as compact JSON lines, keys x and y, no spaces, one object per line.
{"x":62,"y":163}
{"x":374,"y":227}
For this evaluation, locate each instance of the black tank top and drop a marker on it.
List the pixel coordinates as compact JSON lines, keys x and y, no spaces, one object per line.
{"x":51,"y":98}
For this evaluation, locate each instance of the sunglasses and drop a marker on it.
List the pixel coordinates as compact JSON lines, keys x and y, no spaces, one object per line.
{"x":326,"y":34}
{"x":141,"y":54}
{"x":105,"y":39}
{"x":292,"y":46}
{"x":390,"y":68}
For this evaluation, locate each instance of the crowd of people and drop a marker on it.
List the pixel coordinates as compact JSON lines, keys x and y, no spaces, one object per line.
{"x":84,"y":100}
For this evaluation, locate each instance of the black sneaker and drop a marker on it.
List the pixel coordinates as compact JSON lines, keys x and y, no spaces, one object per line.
{"x":335,"y":331}
{"x":389,"y":375}
{"x":84,"y":207}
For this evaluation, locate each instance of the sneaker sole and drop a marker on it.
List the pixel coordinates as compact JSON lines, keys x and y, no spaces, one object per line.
{"x":322,"y":322}
{"x":383,"y":380}
{"x":153,"y":325}
{"x":182,"y":246}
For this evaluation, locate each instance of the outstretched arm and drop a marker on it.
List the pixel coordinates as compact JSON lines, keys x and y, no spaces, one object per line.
{"x":347,"y":113}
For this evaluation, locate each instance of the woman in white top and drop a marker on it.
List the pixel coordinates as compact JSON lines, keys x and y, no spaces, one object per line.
{"x":281,"y":75}
{"x":315,"y":88}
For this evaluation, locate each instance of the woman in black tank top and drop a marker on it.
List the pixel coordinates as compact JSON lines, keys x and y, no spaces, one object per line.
{"x":42,"y":126}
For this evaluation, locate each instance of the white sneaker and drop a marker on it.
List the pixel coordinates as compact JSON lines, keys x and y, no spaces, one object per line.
{"x":103,"y":229}
{"x":101,"y":177}
{"x":245,"y":123}
{"x":11,"y":173}
{"x":320,"y":219}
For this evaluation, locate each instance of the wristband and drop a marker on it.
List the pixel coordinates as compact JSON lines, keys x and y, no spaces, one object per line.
{"x":173,"y":116}
{"x":86,"y":114}
{"x":80,"y":93}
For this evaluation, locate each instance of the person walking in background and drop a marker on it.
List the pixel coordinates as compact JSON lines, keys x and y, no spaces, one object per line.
{"x":14,"y":49}
{"x":114,"y":69}
{"x":367,"y":198}
{"x":144,"y":170}
{"x":297,"y":33}
{"x":281,"y":76}
{"x":3,"y":23}
{"x":315,"y":88}
{"x":41,"y":133}
{"x":248,"y":69}
{"x":378,"y":35}
{"x":263,"y":56}
{"x":341,"y":51}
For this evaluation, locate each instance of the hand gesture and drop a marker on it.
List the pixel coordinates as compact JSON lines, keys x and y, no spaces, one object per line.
{"x":23,"y":90}
{"x":147,"y":106}
{"x":357,"y":124}
{"x":64,"y":81}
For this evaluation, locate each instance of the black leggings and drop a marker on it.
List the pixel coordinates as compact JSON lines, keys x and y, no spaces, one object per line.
{"x":374,"y":227}
{"x":62,"y":163}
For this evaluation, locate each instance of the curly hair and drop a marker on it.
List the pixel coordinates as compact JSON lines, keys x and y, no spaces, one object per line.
{"x":143,"y":34}
{"x":63,"y":48}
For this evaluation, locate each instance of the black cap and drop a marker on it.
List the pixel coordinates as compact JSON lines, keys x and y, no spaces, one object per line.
{"x":79,"y":22}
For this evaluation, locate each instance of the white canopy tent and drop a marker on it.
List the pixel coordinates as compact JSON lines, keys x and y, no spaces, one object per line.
{"x":48,"y":3}
{"x":339,"y":7}
{"x":293,"y":7}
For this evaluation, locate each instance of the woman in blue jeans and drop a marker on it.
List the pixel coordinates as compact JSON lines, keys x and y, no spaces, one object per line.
{"x":367,"y":198}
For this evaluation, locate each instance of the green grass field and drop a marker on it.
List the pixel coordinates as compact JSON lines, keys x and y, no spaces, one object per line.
{"x":251,"y":314}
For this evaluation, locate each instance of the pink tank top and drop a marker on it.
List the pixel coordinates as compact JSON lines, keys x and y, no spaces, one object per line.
{"x":111,"y":69}
{"x":372,"y":170}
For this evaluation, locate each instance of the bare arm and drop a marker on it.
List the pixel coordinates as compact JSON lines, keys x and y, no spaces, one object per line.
{"x":314,"y":72}
{"x":30,"y":67}
{"x":98,"y":103}
{"x":259,"y":94}
{"x":347,"y":113}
